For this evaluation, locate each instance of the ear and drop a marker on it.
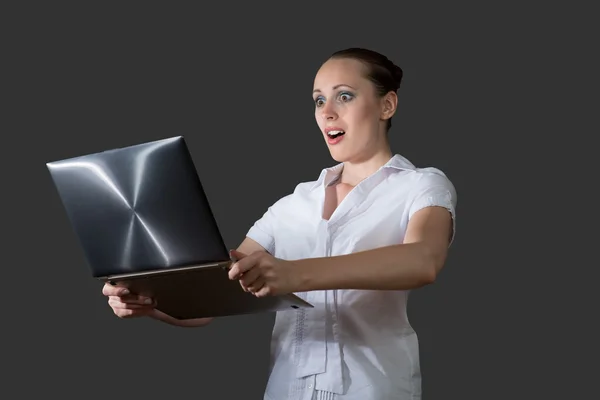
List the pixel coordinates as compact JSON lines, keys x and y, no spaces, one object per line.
{"x":389,"y":104}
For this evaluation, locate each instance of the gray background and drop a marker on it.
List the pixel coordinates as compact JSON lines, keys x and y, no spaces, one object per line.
{"x":236,"y":83}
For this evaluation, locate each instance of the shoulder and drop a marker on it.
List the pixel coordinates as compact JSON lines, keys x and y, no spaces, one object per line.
{"x":431,"y":177}
{"x":420,"y":186}
{"x":418,"y":178}
{"x":303,"y":193}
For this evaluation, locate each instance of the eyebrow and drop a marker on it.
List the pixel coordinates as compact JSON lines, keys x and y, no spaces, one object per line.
{"x":336,"y":87}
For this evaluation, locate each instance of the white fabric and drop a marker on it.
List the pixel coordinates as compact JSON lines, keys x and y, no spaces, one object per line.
{"x":355,"y":344}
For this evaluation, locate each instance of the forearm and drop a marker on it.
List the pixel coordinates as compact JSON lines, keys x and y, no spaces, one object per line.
{"x":399,"y":267}
{"x":186,"y":323}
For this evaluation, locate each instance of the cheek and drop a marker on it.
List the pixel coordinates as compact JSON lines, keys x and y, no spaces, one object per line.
{"x":362,"y":116}
{"x":322,"y":119}
{"x":319,"y":119}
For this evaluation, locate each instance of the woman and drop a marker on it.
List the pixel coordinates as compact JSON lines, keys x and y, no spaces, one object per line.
{"x":353,"y":242}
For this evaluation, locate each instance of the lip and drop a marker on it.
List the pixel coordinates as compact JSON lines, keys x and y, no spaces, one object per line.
{"x":333,"y":128}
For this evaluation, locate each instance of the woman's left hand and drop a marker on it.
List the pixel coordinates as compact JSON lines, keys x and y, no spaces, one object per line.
{"x":262,"y":274}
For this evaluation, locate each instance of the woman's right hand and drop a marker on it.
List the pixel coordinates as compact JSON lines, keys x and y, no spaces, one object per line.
{"x":129,"y":305}
{"x":125,"y":304}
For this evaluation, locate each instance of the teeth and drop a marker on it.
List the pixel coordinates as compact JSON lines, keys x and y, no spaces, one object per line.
{"x":334,"y":133}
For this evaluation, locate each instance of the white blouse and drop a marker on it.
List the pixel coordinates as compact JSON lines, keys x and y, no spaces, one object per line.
{"x":354,"y":344}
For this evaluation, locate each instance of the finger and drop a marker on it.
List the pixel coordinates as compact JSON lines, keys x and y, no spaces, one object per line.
{"x":242,"y":266}
{"x":236,"y":255}
{"x":127,"y":313}
{"x":110,"y":290}
{"x":264,"y":291}
{"x":250,"y":277}
{"x":115,"y":302}
{"x":123,"y":313}
{"x":257,"y":285}
{"x":235,"y":271}
{"x":134,"y":299}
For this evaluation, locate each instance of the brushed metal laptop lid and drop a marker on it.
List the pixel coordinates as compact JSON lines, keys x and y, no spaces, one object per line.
{"x":139,"y":208}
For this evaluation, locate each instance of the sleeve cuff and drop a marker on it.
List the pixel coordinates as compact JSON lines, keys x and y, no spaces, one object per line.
{"x":437,"y":200}
{"x":262,"y":238}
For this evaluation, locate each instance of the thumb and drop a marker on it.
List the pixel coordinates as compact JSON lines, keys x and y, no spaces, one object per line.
{"x":236,"y":255}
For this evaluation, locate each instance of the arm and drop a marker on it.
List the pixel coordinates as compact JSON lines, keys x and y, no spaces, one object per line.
{"x":410,"y":265}
{"x":247,"y":246}
{"x":184,"y":323}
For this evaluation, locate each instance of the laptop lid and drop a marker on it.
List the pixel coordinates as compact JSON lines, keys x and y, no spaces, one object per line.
{"x":139,"y":208}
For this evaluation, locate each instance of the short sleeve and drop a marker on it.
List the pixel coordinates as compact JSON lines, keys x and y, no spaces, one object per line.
{"x":262,"y":231}
{"x":434,"y":189}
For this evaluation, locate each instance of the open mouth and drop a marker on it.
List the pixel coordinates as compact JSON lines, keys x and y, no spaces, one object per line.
{"x":335,"y":134}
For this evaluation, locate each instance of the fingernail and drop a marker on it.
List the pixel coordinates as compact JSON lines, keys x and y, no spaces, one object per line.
{"x":125,"y":291}
{"x":148,"y":301}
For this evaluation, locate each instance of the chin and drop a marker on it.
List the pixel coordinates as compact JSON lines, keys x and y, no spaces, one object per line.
{"x":339,"y":155}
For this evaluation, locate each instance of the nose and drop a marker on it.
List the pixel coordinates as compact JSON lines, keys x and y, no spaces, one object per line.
{"x":328,"y":112}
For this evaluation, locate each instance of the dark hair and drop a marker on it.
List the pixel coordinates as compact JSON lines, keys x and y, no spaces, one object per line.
{"x":381,"y":71}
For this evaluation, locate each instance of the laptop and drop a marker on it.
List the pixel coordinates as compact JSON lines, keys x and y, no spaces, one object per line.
{"x":144,"y":222}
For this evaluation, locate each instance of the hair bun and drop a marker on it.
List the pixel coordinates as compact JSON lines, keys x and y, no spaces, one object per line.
{"x":397,"y":74}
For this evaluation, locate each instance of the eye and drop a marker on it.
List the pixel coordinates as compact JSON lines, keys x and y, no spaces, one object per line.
{"x":319,"y":101}
{"x":346,"y":97}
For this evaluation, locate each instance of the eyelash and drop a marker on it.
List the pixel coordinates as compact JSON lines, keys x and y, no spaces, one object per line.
{"x":350,"y":98}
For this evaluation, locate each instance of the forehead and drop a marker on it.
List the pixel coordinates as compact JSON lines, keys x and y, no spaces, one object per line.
{"x":340,"y":72}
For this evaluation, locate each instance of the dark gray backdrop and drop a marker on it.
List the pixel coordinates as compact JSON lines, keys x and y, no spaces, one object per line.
{"x":237,"y":82}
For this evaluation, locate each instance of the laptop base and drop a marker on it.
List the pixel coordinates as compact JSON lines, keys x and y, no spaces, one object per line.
{"x":201,"y":291}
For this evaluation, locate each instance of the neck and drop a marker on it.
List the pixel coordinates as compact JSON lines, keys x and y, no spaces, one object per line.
{"x":356,"y":171}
